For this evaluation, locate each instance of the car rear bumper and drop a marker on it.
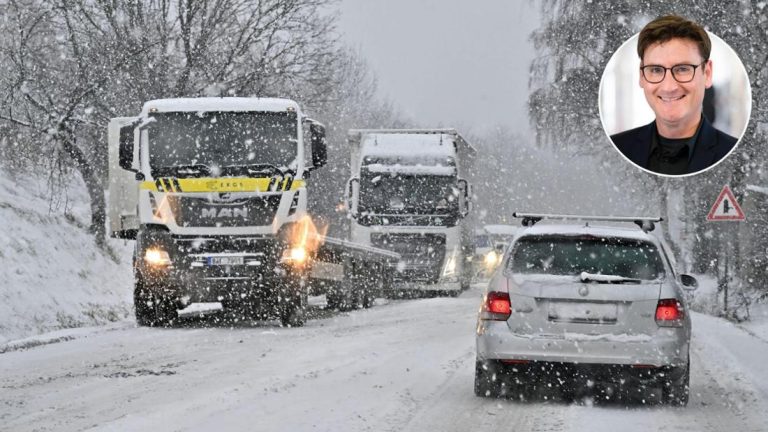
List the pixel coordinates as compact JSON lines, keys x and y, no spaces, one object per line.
{"x":667,"y":347}
{"x":582,"y":377}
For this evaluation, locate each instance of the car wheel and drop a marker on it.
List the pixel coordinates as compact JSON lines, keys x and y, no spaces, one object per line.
{"x":487,"y":379}
{"x":675,"y":391}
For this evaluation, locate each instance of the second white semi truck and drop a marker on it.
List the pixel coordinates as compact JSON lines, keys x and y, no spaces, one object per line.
{"x":409,"y":193}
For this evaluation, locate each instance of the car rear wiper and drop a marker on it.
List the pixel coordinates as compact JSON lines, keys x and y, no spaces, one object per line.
{"x":601,"y":278}
{"x":192,"y":170}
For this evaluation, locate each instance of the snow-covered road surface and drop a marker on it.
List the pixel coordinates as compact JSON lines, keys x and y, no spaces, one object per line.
{"x":405,"y":365}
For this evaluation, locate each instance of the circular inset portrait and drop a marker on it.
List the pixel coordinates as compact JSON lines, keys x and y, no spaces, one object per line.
{"x":675,"y":99}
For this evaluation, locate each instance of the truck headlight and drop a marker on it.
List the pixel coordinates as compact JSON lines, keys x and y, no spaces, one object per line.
{"x":155,"y":256}
{"x":297,"y":256}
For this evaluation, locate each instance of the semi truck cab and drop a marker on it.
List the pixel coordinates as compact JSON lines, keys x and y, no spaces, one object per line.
{"x":214,"y":192}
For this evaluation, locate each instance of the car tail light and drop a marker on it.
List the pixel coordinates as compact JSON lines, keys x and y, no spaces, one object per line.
{"x":496,"y":306}
{"x":669,"y":313}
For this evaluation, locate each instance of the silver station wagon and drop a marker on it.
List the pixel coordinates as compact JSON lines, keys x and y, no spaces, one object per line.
{"x":585,"y":308}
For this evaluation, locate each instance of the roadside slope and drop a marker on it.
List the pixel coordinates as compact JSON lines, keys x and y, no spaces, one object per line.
{"x":54,"y":275}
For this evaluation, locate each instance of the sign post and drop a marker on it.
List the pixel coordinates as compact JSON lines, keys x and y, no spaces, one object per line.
{"x":726,"y":208}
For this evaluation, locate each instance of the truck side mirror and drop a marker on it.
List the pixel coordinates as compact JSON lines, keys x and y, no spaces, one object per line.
{"x":351,"y":203}
{"x":319,"y":148}
{"x":126,"y":147}
{"x":467,"y":202}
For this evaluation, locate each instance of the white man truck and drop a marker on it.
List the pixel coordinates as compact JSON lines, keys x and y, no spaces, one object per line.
{"x":214,"y":191}
{"x":409,"y":193}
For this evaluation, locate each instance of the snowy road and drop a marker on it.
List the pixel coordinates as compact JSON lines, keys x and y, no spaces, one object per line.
{"x":406,"y":365}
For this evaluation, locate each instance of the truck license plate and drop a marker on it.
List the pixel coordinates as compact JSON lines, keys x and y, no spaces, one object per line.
{"x":225,"y":260}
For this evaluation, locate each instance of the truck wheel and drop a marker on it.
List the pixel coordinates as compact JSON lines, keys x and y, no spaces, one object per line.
{"x":293,"y":311}
{"x":344,"y":296}
{"x":143,"y":305}
{"x":374,"y":287}
{"x":338,"y":299}
{"x":152,"y":310}
{"x":293,"y":304}
{"x":165,"y":312}
{"x":368,"y":299}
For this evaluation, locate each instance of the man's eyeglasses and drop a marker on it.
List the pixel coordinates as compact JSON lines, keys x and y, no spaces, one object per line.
{"x":682,"y":73}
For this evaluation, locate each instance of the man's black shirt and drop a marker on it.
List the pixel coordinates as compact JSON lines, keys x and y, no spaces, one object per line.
{"x":671,"y":155}
{"x":711,"y":146}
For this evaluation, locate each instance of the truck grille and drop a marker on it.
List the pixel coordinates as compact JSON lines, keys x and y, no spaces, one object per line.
{"x":202,"y":212}
{"x":260,"y":256}
{"x":422,"y":254}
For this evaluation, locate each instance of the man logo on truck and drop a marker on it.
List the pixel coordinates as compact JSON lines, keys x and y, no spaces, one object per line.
{"x":212,"y":213}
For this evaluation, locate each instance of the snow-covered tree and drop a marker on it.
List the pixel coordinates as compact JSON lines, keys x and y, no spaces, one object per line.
{"x":70,"y":65}
{"x":576,"y":41}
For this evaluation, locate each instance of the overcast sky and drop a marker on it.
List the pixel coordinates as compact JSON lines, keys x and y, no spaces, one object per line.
{"x":447,"y":62}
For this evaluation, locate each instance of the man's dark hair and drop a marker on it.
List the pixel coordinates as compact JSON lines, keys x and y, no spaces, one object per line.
{"x":668,"y":27}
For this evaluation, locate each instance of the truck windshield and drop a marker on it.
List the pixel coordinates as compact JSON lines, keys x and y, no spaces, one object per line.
{"x":573,"y":255}
{"x":222,"y":139}
{"x":387,"y":193}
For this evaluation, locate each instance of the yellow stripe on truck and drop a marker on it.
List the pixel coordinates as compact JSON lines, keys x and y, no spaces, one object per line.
{"x":234,"y":184}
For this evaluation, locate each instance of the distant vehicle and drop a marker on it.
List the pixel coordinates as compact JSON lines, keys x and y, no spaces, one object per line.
{"x":582,"y":304}
{"x":409,"y":193}
{"x":490,"y":242}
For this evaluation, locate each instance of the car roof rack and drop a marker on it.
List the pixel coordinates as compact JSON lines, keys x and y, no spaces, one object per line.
{"x":645,"y":223}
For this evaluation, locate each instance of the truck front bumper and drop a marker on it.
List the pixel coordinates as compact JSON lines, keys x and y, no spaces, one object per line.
{"x":218,"y":269}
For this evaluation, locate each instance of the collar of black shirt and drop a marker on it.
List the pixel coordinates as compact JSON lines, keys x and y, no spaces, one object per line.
{"x":659,"y":141}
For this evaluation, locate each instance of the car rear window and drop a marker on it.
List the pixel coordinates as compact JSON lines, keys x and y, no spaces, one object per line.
{"x":573,"y":255}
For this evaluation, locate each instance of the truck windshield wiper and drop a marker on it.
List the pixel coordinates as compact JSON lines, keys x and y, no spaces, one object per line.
{"x":253,"y":170}
{"x":601,"y":278}
{"x":193,"y":170}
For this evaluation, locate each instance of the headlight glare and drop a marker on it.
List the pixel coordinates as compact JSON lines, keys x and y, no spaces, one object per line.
{"x":295,"y":255}
{"x":491,"y":259}
{"x":157,"y":257}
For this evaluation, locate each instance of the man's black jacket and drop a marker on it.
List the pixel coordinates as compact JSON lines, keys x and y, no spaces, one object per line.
{"x":711,"y":146}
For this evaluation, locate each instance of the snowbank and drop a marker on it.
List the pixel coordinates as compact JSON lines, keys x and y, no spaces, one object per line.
{"x":55,"y":276}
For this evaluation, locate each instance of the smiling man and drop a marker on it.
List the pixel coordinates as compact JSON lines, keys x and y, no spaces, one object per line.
{"x":675,"y":70}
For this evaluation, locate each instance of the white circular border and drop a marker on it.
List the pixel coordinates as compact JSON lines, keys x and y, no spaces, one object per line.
{"x":633,"y":40}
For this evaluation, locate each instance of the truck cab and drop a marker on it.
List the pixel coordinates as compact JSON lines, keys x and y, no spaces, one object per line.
{"x":409,"y":193}
{"x":213,"y":190}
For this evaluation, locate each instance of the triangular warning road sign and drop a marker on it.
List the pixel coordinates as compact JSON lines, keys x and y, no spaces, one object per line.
{"x":726,"y":208}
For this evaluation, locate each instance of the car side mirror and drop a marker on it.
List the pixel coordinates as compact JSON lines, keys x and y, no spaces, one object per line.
{"x":689,"y":282}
